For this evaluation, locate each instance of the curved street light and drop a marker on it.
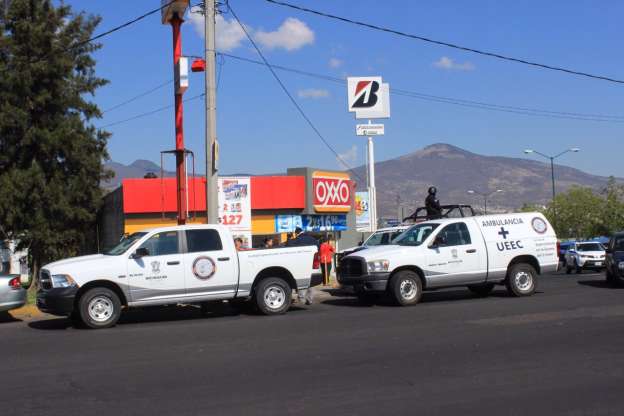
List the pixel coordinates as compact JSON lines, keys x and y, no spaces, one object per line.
{"x":485,"y":196}
{"x":552,"y":170}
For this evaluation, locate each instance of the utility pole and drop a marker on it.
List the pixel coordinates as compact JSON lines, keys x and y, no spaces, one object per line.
{"x":212,"y":147}
{"x":180,"y":151}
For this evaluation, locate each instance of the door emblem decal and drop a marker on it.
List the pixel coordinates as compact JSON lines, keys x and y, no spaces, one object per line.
{"x":155,"y":267}
{"x":204,"y":267}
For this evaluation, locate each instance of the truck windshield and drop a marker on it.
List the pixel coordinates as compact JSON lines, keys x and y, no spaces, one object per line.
{"x":124,"y":244}
{"x":589,"y":247}
{"x":416,"y":235}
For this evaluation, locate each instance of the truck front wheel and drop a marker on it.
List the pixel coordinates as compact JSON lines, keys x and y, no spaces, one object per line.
{"x":273,"y":296}
{"x":99,"y":308}
{"x":405,"y":288}
{"x":521,"y":280}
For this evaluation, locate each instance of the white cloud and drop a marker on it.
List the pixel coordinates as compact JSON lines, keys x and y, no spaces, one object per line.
{"x":349,"y":157}
{"x":335,"y":63}
{"x":229,"y":34}
{"x":292,"y":34}
{"x":449,"y":64}
{"x":313,"y":93}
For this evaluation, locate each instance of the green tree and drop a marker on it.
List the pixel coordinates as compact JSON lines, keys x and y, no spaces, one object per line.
{"x":613,"y":207}
{"x":580,"y":213}
{"x":51,"y":155}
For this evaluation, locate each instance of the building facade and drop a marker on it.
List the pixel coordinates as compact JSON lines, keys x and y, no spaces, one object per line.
{"x":320,"y":202}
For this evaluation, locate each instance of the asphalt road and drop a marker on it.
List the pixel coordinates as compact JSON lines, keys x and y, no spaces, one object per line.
{"x":556,"y":353}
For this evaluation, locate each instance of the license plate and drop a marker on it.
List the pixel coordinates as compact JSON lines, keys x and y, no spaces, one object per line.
{"x":598,"y":263}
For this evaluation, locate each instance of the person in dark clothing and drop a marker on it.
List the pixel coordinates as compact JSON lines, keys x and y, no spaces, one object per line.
{"x":432,"y":203}
{"x":302,"y":239}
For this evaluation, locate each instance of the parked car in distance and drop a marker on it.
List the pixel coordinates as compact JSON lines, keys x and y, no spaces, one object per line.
{"x":186,"y":264}
{"x":12,"y":294}
{"x":476,"y":252}
{"x":585,"y":255}
{"x":614,"y":262}
{"x":563,"y":248}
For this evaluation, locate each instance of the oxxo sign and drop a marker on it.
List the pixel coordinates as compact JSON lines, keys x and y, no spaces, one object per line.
{"x":331,"y":192}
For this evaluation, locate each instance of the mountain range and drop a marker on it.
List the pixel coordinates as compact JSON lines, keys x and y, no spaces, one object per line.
{"x":402,"y":182}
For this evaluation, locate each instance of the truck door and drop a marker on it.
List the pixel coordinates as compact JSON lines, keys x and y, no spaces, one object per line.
{"x":209,"y":269}
{"x":159,"y":274}
{"x":457,"y":257}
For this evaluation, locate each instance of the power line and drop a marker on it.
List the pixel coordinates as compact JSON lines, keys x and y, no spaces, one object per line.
{"x":454,"y":101}
{"x":447,"y":44}
{"x":294,"y":102}
{"x":136,"y":97}
{"x":149,"y":112}
{"x":121,"y":26}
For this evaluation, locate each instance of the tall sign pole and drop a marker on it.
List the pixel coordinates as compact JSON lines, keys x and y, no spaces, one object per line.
{"x":171,"y":12}
{"x":369,"y":97}
{"x":212,"y":147}
{"x":372,"y":193}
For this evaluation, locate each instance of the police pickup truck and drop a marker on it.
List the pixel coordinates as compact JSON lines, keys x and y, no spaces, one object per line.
{"x":477,"y":252}
{"x":189,"y":264}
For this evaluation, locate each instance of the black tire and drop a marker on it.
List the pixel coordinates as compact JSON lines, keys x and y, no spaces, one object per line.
{"x":481,"y":290}
{"x":405,"y":288}
{"x":521,"y":280}
{"x":614,"y":279}
{"x":577,"y":268}
{"x":272,"y":296}
{"x":568,"y":269}
{"x":99,"y":308}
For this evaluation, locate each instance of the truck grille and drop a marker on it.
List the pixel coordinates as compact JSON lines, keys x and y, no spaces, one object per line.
{"x":352,"y":267}
{"x":45,"y":280}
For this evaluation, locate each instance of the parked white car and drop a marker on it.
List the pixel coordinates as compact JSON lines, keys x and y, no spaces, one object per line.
{"x":585,"y":255}
{"x":381,"y":237}
{"x":477,"y":252}
{"x":171,"y":265}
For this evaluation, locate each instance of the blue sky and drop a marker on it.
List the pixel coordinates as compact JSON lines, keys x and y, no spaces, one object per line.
{"x":260,"y":131}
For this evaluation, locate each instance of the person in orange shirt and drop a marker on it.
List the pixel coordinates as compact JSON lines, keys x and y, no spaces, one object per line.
{"x":326,"y":254}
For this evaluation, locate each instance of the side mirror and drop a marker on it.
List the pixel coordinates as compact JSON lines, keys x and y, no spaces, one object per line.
{"x":140,"y":252}
{"x":608,"y":250}
{"x":438,"y":241}
{"x":360,"y":243}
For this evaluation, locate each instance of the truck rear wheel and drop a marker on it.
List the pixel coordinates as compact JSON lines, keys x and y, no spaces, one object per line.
{"x":99,"y":308}
{"x":405,"y":288}
{"x":521,"y":280}
{"x":272,"y":296}
{"x":483,"y":289}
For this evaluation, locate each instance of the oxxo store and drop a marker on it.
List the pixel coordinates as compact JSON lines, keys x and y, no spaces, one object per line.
{"x":320,"y":202}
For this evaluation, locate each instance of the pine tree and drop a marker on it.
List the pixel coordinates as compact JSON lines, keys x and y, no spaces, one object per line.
{"x":51,"y":155}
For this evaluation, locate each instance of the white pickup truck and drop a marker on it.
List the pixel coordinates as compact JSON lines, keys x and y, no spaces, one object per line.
{"x":186,"y":264}
{"x":477,"y":252}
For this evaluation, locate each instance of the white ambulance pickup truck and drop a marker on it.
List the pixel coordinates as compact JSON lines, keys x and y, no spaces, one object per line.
{"x":173,"y":265}
{"x":477,"y":252}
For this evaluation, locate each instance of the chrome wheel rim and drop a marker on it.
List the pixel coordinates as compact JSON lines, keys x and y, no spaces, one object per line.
{"x":408,"y":289}
{"x":101,"y":309}
{"x":274,"y":297}
{"x":524,"y":281}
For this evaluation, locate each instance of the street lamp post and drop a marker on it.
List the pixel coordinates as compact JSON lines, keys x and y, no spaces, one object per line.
{"x":485,"y":197}
{"x":552,"y":171}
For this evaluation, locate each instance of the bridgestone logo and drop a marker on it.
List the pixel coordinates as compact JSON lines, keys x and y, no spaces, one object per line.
{"x":500,"y":223}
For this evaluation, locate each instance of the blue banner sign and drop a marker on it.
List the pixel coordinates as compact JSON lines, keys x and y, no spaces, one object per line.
{"x":316,"y":223}
{"x":287,"y":223}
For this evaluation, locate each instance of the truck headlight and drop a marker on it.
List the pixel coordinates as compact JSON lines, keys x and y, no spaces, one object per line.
{"x":62,"y":280}
{"x":378,"y":266}
{"x":583,"y":256}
